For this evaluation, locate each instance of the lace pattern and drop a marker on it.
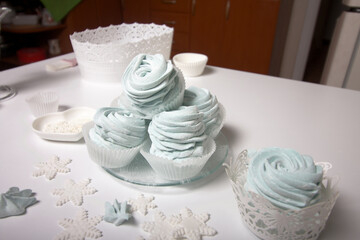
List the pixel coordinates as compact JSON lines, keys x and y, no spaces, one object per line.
{"x":105,"y":52}
{"x":270,"y":222}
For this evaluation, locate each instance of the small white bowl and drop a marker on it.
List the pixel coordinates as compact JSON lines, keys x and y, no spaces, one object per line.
{"x":77,"y":115}
{"x":190,"y":64}
{"x":43,"y":103}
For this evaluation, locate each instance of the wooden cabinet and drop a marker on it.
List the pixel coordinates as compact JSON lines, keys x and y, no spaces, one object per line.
{"x":173,"y":13}
{"x":237,"y":34}
{"x":207,"y":30}
{"x":176,"y":14}
{"x":136,"y":11}
{"x":180,"y":6}
{"x":249,"y":35}
{"x":89,"y":14}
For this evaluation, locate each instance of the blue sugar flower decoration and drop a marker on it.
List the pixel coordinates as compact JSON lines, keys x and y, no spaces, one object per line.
{"x":14,"y":202}
{"x":116,"y":213}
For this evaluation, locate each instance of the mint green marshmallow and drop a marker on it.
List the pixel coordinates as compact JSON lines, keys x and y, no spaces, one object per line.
{"x":286,"y":178}
{"x":117,"y":127}
{"x":178,"y":134}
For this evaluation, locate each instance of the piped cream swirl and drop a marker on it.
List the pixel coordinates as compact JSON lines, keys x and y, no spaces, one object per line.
{"x":286,"y":178}
{"x":207,"y":104}
{"x":151,"y":84}
{"x":178,"y":134}
{"x":116,"y":127}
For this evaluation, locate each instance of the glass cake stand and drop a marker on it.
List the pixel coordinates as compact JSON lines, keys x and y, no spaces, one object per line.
{"x":140,"y":172}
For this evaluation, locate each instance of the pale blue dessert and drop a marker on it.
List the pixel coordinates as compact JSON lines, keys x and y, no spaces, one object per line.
{"x":116,"y":213}
{"x":14,"y":202}
{"x":286,"y":178}
{"x":206,"y":104}
{"x":117,"y":127}
{"x":152,"y":85}
{"x":179,"y":147}
{"x":115,"y":137}
{"x":178,"y":134}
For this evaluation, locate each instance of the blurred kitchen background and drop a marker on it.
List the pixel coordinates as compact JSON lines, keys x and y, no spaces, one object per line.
{"x":309,"y":40}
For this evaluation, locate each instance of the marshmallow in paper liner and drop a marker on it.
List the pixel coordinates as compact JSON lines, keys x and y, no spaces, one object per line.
{"x":207,"y":103}
{"x":270,"y":222}
{"x":178,"y":169}
{"x":109,"y":158}
{"x":151,"y":85}
{"x":176,"y":102}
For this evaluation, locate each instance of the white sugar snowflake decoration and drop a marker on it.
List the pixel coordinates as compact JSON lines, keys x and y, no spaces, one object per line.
{"x":50,"y":168}
{"x":142,"y":204}
{"x":80,"y":228}
{"x":74,"y":192}
{"x":193,"y":226}
{"x":162,"y":228}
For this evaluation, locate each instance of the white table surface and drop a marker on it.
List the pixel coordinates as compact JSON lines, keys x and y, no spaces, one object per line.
{"x":262,"y":111}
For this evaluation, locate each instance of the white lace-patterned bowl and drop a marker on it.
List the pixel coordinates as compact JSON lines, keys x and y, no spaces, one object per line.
{"x":273,"y":223}
{"x":104,"y":53}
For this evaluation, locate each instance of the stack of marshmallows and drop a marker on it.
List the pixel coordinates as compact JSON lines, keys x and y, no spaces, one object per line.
{"x":173,"y":127}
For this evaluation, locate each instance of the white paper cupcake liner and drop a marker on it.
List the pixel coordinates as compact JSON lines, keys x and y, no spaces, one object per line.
{"x":267,"y":221}
{"x":43,"y":103}
{"x":105,"y":157}
{"x":178,"y":169}
{"x":191,"y":64}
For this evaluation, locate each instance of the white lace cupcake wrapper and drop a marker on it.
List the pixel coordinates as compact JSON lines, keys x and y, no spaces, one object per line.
{"x":270,"y":222}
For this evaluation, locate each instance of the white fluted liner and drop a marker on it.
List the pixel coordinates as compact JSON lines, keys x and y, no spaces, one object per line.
{"x":105,"y":157}
{"x":270,"y":222}
{"x":191,"y":64}
{"x":104,"y":53}
{"x":178,"y":169}
{"x":43,"y":103}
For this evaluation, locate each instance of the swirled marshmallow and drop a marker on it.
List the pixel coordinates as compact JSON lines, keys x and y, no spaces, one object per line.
{"x":152,"y":84}
{"x":286,"y":178}
{"x":207,"y":104}
{"x":116,"y":127}
{"x":178,"y":134}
